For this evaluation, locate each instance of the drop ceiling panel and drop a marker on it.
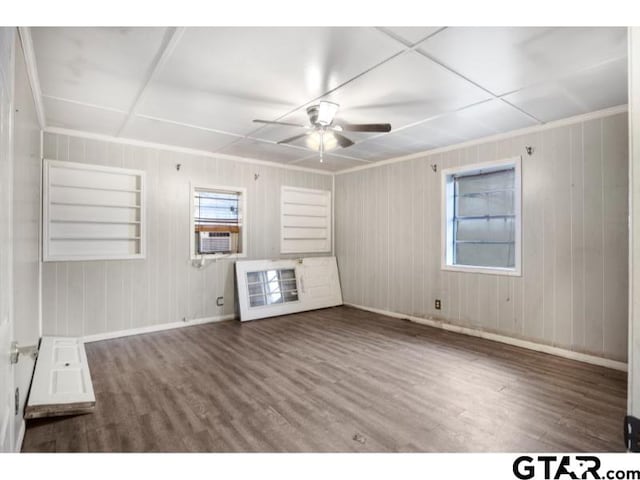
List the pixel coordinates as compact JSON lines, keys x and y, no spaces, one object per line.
{"x":479,"y":121}
{"x":330,"y":163}
{"x":265,"y":151}
{"x":600,"y":87}
{"x":404,"y":90}
{"x":505,"y":59}
{"x":461,"y":125}
{"x":231,"y":113}
{"x":412,"y":35}
{"x":595,"y":89}
{"x":496,"y":115}
{"x":275,"y":133}
{"x":245,"y":73}
{"x":100,"y":66}
{"x":475,"y":122}
{"x":82,"y":117}
{"x":171,"y":134}
{"x":375,"y":151}
{"x":382,"y":148}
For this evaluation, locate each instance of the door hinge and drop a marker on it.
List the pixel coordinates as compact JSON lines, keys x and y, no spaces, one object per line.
{"x":632,"y":433}
{"x":17,"y":350}
{"x":17,"y":400}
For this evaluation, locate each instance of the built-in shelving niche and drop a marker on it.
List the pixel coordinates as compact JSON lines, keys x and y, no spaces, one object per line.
{"x":92,"y":212}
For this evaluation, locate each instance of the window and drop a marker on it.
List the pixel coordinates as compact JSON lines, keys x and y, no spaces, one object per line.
{"x":218,"y":220}
{"x":481,"y":218}
{"x":92,"y":212}
{"x":269,"y":287}
{"x":305,"y":220}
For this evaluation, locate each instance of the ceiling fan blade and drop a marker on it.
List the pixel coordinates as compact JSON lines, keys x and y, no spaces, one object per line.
{"x":343,"y":141}
{"x":286,"y":124}
{"x":292,"y":139}
{"x":366,"y":127}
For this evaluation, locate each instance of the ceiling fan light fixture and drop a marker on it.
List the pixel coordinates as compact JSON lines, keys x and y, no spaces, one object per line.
{"x":326,"y":112}
{"x":313,"y":141}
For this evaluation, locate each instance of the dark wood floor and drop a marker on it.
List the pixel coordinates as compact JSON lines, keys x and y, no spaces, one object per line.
{"x":338,"y":380}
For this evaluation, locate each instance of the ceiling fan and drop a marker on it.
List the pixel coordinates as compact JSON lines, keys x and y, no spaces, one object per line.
{"x":327,"y":133}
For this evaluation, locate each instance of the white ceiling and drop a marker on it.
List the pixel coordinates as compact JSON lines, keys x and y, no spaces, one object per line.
{"x":202,"y":87}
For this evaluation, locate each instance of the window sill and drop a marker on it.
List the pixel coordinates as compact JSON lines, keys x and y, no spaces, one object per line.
{"x":509,"y":272}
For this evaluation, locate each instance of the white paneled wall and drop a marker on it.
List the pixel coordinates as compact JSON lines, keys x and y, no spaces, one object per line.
{"x":573,"y":291}
{"x":94,"y":297}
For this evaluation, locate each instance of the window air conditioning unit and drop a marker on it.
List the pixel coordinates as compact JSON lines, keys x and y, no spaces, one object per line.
{"x":217,"y":242}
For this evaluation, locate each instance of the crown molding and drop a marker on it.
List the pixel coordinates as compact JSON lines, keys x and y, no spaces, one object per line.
{"x":32,"y":73}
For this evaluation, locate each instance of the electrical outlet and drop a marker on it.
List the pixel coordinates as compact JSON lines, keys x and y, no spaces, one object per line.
{"x":220,"y":301}
{"x":438,"y":304}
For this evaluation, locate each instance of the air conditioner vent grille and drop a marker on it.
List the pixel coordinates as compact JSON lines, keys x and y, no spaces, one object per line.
{"x":215,"y":242}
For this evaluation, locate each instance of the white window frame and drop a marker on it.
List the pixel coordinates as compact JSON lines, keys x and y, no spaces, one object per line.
{"x":242,"y":217}
{"x":446,"y":255}
{"x":47,"y":256}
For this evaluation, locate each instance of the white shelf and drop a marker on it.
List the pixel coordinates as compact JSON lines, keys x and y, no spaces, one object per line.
{"x":104,"y":189}
{"x":101,"y":205}
{"x":92,"y":212}
{"x":305,"y":222}
{"x":89,"y":239}
{"x":100,"y":222}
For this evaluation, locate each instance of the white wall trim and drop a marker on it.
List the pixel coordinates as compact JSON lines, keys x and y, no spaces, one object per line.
{"x":517,"y":342}
{"x":20,"y":439}
{"x":333,"y":215}
{"x":156,"y":328}
{"x":40,"y":232}
{"x":32,"y":73}
{"x":173,"y":148}
{"x":607,"y":112}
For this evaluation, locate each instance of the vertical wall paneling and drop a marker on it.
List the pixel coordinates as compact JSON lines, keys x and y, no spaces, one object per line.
{"x":593,"y":228}
{"x":104,"y":296}
{"x":573,"y":289}
{"x":615,"y":230}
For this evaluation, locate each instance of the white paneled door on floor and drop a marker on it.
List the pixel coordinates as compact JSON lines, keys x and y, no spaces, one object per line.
{"x":268,"y":288}
{"x":62,"y":382}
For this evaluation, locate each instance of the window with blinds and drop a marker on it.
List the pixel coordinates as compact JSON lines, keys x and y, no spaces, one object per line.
{"x":482,"y":217}
{"x":217,"y":221}
{"x":216,"y":208}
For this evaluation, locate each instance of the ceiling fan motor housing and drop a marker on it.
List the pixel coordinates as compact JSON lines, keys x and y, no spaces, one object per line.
{"x":312,"y":111}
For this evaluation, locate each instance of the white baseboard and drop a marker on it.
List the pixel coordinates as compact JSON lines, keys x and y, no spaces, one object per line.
{"x":156,"y":328}
{"x":538,"y":347}
{"x":20,"y":439}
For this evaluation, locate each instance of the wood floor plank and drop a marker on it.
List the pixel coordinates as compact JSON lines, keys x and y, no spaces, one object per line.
{"x":335,"y":380}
